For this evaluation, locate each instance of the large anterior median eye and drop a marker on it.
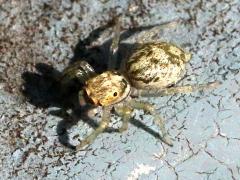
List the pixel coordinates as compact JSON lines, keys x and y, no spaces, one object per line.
{"x":115,"y":94}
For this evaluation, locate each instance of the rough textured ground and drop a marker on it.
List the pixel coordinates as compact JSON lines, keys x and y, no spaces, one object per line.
{"x":39,"y":38}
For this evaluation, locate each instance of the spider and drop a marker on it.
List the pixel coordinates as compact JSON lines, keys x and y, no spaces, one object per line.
{"x":150,"y":71}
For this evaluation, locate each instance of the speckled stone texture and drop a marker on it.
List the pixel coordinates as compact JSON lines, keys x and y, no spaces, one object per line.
{"x":38,"y":39}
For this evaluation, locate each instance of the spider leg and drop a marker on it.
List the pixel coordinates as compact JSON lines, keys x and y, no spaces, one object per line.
{"x":103,"y":125}
{"x":149,"y":35}
{"x":114,"y":46}
{"x":81,"y":98}
{"x":157,"y":119}
{"x":79,"y":70}
{"x":174,"y":90}
{"x":126,"y":113}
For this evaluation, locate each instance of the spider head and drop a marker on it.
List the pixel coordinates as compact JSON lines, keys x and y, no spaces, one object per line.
{"x":108,"y":88}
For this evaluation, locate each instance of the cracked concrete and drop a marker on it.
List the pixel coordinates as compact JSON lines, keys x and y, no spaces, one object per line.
{"x":37,"y":37}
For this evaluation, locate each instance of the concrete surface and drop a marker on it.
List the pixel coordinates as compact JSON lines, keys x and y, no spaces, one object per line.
{"x":39,"y":38}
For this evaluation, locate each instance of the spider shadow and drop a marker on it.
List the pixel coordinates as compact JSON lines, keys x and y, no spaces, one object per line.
{"x":43,"y":89}
{"x":141,"y":125}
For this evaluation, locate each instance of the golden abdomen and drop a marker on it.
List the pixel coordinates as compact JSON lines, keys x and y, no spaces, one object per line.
{"x":156,"y":65}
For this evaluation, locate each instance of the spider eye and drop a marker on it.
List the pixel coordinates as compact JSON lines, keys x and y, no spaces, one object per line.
{"x":115,"y":94}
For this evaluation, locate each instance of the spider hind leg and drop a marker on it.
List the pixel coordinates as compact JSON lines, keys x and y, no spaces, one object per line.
{"x":149,"y":108}
{"x":174,"y":90}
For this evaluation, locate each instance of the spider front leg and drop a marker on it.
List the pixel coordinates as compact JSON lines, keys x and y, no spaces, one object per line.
{"x":102,"y":126}
{"x":114,"y":46}
{"x":174,"y":90}
{"x":157,"y":119}
{"x":126,"y":113}
{"x":79,"y":70}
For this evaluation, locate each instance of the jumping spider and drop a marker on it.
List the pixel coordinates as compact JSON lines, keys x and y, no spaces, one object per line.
{"x":148,"y":72}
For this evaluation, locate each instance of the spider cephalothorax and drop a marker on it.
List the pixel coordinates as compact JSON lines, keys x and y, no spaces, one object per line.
{"x":108,"y":88}
{"x":149,"y":71}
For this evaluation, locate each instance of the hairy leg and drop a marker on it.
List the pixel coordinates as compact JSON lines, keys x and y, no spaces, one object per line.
{"x":81,"y":98}
{"x":174,"y":90}
{"x":126,"y":113}
{"x":79,"y":70}
{"x":114,"y":46}
{"x":157,"y":119}
{"x":149,"y":35}
{"x":103,"y":125}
